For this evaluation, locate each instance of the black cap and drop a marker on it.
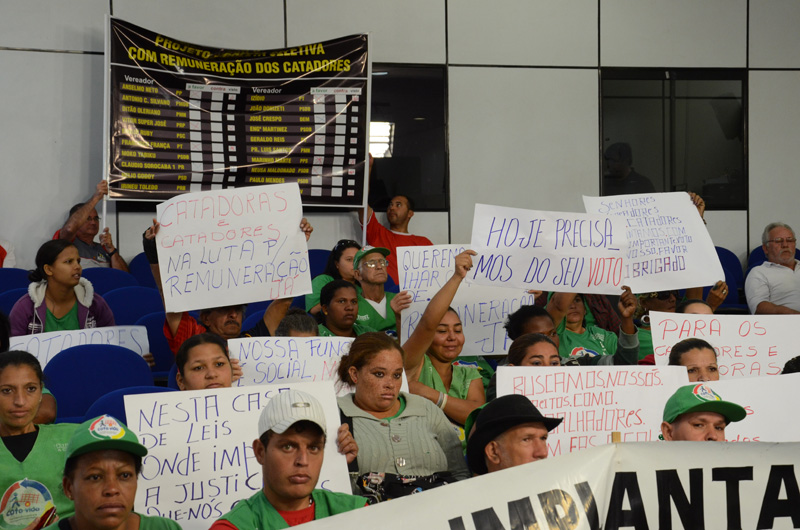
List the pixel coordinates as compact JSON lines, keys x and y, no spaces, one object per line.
{"x":497,"y":417}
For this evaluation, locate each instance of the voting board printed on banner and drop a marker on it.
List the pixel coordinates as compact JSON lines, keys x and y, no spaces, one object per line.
{"x":482,"y":309}
{"x":279,"y":360}
{"x":665,"y":485}
{"x":200,"y":460}
{"x":44,"y":346}
{"x":746,"y":345}
{"x":669,"y":246}
{"x":766,"y":400}
{"x":550,"y":251}
{"x":595,"y":400}
{"x":227,"y":247}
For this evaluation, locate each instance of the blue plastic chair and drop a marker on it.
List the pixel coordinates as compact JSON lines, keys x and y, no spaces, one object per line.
{"x":159,"y":347}
{"x":105,"y":279}
{"x":11,"y":278}
{"x":256,"y":307}
{"x":252,"y":320}
{"x":9,"y":298}
{"x":172,"y":380}
{"x":79,"y":375}
{"x":129,"y":304}
{"x":734,"y":277}
{"x":140,"y":269}
{"x":317,"y":260}
{"x":113,"y":403}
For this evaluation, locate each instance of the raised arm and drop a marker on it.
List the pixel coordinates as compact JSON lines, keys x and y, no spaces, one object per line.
{"x":420,"y":340}
{"x":149,"y":245}
{"x":76,"y":220}
{"x":116,"y":260}
{"x":558,"y":305}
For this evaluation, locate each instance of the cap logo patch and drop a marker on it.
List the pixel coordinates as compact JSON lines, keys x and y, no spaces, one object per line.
{"x":301,"y":404}
{"x":705,"y":393}
{"x":106,"y":428}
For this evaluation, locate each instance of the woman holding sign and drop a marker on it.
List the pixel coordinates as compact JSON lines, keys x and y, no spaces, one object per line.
{"x":405,"y":442}
{"x":58,"y":298}
{"x":30,"y":455}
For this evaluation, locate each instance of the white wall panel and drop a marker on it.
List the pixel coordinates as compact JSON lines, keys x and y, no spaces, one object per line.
{"x":728,"y":229}
{"x":50,"y":142}
{"x":774,"y":35}
{"x":412,"y":31}
{"x":678,"y":33}
{"x":521,"y":137}
{"x":46,"y":25}
{"x":523,"y":32}
{"x":774,"y":154}
{"x":242,"y":24}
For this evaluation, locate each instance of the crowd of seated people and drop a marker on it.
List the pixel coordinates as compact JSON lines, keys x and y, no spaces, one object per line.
{"x":451,"y":410}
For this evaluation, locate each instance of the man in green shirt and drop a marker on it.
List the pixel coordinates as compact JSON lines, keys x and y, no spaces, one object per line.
{"x":290,"y":450}
{"x":376,"y":307}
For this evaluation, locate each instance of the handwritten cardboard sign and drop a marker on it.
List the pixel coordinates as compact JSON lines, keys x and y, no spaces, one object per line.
{"x":200,"y":459}
{"x":232,"y":246}
{"x":44,"y":346}
{"x":595,"y":400}
{"x":551,"y":251}
{"x":746,"y":345}
{"x":482,"y":309}
{"x":669,"y":245}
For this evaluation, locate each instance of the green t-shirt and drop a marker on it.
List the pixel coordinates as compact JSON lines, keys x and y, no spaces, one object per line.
{"x":146,"y":522}
{"x":594,"y":341}
{"x":66,"y":323}
{"x":645,"y":343}
{"x":367,"y":316}
{"x":317,"y":284}
{"x":257,"y":512}
{"x":30,"y":487}
{"x":358,"y":328}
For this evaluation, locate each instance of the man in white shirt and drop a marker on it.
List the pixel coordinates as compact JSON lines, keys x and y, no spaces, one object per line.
{"x":774,"y":286}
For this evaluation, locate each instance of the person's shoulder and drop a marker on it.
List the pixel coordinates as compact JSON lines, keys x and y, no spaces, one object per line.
{"x":152,"y":522}
{"x":337,"y":501}
{"x":418,"y":405}
{"x":59,"y":429}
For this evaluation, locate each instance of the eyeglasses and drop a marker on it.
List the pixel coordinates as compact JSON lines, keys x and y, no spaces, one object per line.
{"x":661,"y":295}
{"x":375,"y":262}
{"x":780,"y":240}
{"x":95,"y":218}
{"x":346,"y":243}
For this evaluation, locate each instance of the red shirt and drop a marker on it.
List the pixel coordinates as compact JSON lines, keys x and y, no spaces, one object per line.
{"x":380,"y":236}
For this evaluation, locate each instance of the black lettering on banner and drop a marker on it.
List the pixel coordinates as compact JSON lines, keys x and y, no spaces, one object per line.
{"x":626,"y":483}
{"x":732,"y":476}
{"x":487,"y":520}
{"x":456,"y":524}
{"x":589,"y":505}
{"x":669,"y":487}
{"x":772,"y":506}
{"x":550,"y":501}
{"x":520,"y":512}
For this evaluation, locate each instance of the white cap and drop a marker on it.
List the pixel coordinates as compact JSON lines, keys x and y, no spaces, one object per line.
{"x":287,"y":408}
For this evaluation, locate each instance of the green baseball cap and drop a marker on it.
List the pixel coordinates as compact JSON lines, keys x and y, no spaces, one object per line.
{"x":701,"y":398}
{"x":368,"y":250}
{"x":101,"y":433}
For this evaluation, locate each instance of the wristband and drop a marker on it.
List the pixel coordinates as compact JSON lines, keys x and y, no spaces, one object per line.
{"x":149,"y":247}
{"x":115,"y":251}
{"x":439,"y":401}
{"x":444,"y":402}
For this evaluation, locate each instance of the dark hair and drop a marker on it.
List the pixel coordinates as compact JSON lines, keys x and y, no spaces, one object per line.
{"x":296,"y":320}
{"x":792,"y":366}
{"x":47,"y":255}
{"x":298,"y":427}
{"x":76,"y":208}
{"x":182,"y":357}
{"x":684,"y":346}
{"x":363,"y":349}
{"x":72,"y":463}
{"x":21,"y":358}
{"x":5,"y":332}
{"x":516,"y":321}
{"x":327,"y":293}
{"x":205,"y":312}
{"x":335,"y":256}
{"x":409,"y":201}
{"x":686,"y":303}
{"x":518,"y":348}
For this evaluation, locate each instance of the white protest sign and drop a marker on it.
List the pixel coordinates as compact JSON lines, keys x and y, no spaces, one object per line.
{"x":762,"y":398}
{"x":595,"y":400}
{"x":44,"y":346}
{"x":279,"y":360}
{"x":669,"y":245}
{"x":200,"y":460}
{"x":746,"y":345}
{"x":551,"y":251}
{"x":234,"y":246}
{"x":482,"y":309}
{"x":662,"y":485}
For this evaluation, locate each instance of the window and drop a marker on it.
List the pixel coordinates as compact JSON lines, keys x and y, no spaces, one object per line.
{"x":677,"y":130}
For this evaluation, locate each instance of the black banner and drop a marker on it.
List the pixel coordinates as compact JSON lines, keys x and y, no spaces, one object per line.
{"x":185,"y":117}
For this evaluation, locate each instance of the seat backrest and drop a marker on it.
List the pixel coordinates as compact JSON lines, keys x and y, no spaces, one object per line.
{"x":317,"y":260}
{"x":734,"y":275}
{"x":77,"y":376}
{"x":105,"y":279}
{"x":140,"y":269}
{"x":11,"y":278}
{"x":252,"y":320}
{"x":9,"y":298}
{"x":172,"y":382}
{"x":129,"y":304}
{"x":159,"y":347}
{"x":113,"y":403}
